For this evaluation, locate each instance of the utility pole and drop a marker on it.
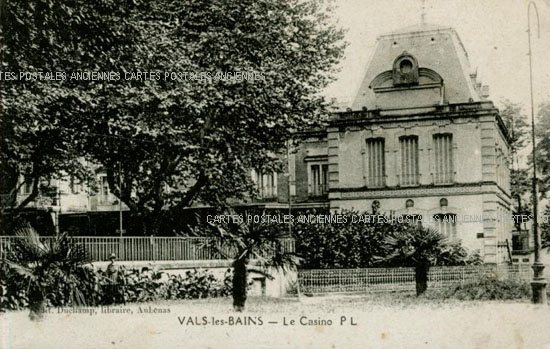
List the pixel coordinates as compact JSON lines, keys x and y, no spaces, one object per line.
{"x":539,"y":282}
{"x":120,"y":199}
{"x":288,"y":188}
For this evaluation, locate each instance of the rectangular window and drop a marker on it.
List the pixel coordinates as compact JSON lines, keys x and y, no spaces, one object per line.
{"x":319,"y":180}
{"x":75,"y":185}
{"x":105,"y":194}
{"x":266,"y":184}
{"x":443,"y":150}
{"x":409,"y":160}
{"x":376,"y":166}
{"x":26,"y":189}
{"x":270,"y":185}
{"x":446,"y":224}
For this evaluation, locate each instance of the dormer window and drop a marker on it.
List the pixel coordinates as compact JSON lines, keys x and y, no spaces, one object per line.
{"x":405,"y":70}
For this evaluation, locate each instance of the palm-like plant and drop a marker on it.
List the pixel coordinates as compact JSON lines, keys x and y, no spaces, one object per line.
{"x":48,"y":270}
{"x":419,"y":248}
{"x":243,"y":241}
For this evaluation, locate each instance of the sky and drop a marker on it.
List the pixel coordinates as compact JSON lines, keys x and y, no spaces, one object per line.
{"x":494,"y":33}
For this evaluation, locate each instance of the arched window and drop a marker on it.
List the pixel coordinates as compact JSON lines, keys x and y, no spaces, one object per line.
{"x":414,"y":219}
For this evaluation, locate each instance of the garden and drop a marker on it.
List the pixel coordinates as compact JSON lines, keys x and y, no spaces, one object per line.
{"x":99,"y":308}
{"x":38,"y":275}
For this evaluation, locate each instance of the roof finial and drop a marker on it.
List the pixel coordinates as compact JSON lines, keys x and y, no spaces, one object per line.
{"x":423,"y":16}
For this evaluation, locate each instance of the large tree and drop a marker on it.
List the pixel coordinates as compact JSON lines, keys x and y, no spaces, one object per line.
{"x":520,"y":183}
{"x":545,"y":227}
{"x":37,"y":140}
{"x":169,"y":139}
{"x":177,"y":139}
{"x":542,"y":134}
{"x":518,"y":129}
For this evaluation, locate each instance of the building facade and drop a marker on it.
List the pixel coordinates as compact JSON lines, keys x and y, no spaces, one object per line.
{"x":419,"y":139}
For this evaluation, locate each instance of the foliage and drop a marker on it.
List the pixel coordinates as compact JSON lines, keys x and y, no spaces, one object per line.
{"x":545,"y":227}
{"x":13,"y":294}
{"x":515,"y":120}
{"x":49,"y":272}
{"x":542,"y":134}
{"x":133,"y":285}
{"x":421,"y":248}
{"x":190,"y":137}
{"x":486,"y":288}
{"x":197,"y":284}
{"x":453,"y":253}
{"x":378,"y":241}
{"x":340,"y":245}
{"x":138,"y":286}
{"x":197,"y":139}
{"x":414,"y":246}
{"x":351,"y":244}
{"x":152,"y":285}
{"x":520,"y":184}
{"x":39,"y":274}
{"x":51,"y":36}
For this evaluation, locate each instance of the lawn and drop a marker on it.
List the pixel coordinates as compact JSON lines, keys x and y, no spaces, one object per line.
{"x":379,"y":321}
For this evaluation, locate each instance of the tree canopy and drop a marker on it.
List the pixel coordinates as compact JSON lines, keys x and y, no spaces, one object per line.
{"x":542,"y":134}
{"x":51,"y":37}
{"x":172,"y":139}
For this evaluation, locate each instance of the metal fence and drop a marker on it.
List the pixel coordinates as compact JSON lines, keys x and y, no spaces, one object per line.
{"x":149,"y":248}
{"x":400,"y":279}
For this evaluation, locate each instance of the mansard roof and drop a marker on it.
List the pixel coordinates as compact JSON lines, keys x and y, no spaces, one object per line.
{"x":436,"y":50}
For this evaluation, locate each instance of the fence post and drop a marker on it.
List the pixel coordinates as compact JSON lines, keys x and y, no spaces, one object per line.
{"x":153,"y":248}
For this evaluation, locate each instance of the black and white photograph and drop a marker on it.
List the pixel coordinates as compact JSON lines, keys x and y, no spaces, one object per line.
{"x":274,"y":174}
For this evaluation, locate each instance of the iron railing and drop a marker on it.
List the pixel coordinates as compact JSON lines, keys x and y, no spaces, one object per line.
{"x":128,"y":248}
{"x":401,"y":279}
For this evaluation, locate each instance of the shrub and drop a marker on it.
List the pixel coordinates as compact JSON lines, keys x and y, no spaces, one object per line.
{"x":145,"y":285}
{"x":132,"y":285}
{"x":197,"y":284}
{"x":339,"y":245}
{"x":46,"y":271}
{"x":486,"y":288}
{"x":13,"y":295}
{"x":140,"y":286}
{"x":353,"y":244}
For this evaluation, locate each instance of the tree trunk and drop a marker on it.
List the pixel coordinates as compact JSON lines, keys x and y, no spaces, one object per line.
{"x":421,"y":277}
{"x":150,"y":224}
{"x":37,"y":305}
{"x":240,"y":276}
